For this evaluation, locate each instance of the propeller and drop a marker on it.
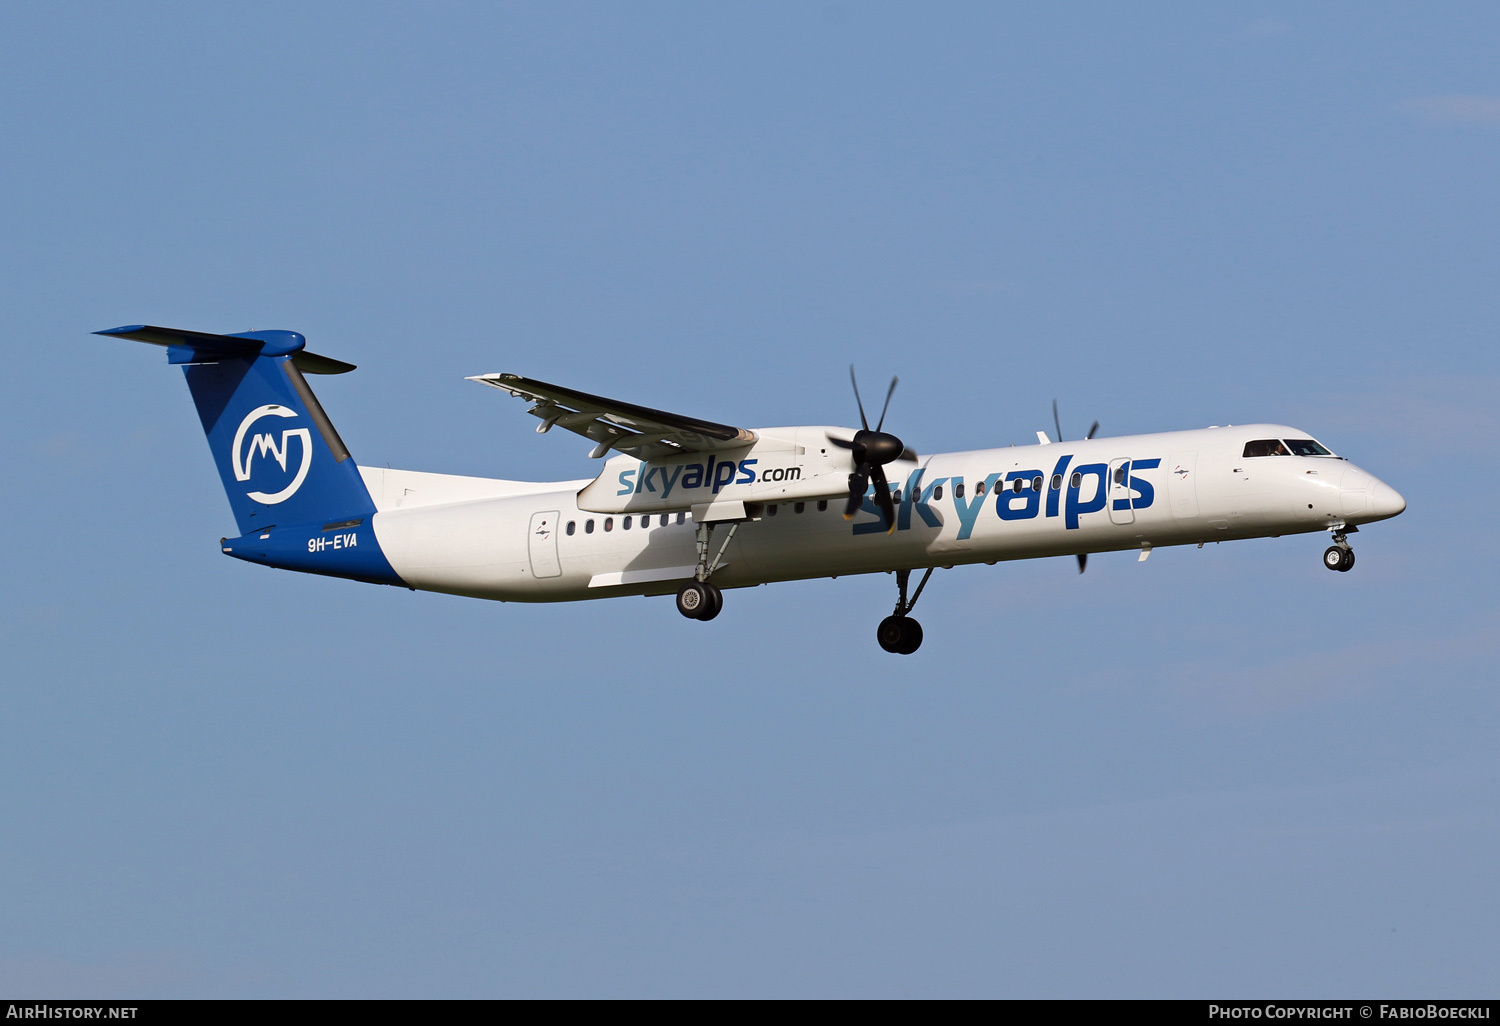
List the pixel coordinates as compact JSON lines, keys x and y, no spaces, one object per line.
{"x":1058,"y":424}
{"x":872,"y":450}
{"x":1083,"y":558}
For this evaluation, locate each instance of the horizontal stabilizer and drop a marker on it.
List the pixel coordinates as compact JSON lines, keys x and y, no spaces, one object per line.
{"x":202,"y":347}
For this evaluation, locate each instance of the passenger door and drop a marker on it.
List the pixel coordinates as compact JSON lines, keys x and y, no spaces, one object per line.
{"x":541,"y":544}
{"x":1182,"y":483}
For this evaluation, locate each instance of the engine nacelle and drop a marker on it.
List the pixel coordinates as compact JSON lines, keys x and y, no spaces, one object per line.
{"x":782,"y":465}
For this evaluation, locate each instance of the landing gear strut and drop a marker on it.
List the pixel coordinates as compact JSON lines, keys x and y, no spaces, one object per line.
{"x":898,"y":632}
{"x":1339,"y":556}
{"x":698,"y":599}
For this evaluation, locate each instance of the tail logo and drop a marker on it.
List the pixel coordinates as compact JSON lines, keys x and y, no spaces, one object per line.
{"x":264,"y":444}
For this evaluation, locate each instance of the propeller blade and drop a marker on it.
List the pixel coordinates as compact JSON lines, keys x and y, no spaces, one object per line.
{"x":1055,"y":422}
{"x":1091,"y":431}
{"x":888,"y":393}
{"x":1083,"y":561}
{"x":859,"y":481}
{"x":883,"y":497}
{"x":858,"y":402}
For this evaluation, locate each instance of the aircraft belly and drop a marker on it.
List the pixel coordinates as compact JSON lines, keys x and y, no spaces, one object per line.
{"x":794,"y":555}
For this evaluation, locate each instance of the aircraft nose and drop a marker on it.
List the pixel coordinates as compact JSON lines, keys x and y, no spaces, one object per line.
{"x":1386,"y":500}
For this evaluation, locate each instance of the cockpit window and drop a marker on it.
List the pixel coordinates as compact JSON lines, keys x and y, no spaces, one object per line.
{"x":1306,"y":447}
{"x":1266,"y":447}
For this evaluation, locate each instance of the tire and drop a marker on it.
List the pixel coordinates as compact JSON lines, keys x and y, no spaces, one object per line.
{"x":900,"y":635}
{"x":913,"y":640}
{"x":1333,"y":558}
{"x":1348,"y":563}
{"x":692,"y":599}
{"x":891,"y":633}
{"x":715,"y":602}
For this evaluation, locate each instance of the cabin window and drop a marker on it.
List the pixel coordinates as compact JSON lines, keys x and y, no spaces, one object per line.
{"x":771,"y":510}
{"x":1036,"y":483}
{"x":609,"y":523}
{"x":937,"y":493}
{"x":1015,"y":485}
{"x":588,"y":527}
{"x":1266,"y":447}
{"x":626,"y":524}
{"x":666,"y":518}
{"x":979,"y":488}
{"x":1056,"y":482}
{"x":958,"y":490}
{"x":572,"y":526}
{"x":1075,"y":480}
{"x":799,"y":507}
{"x":1306,"y":447}
{"x":681,"y":517}
{"x":896,"y":495}
{"x":822,"y":505}
{"x":1119,"y":475}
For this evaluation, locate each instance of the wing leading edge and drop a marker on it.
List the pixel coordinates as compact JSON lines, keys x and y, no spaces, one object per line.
{"x":634,"y":430}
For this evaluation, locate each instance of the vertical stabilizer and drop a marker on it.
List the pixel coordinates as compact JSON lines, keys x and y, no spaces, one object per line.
{"x":278,"y":455}
{"x":282,"y":463}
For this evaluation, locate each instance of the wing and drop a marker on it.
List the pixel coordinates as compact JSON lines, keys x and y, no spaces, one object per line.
{"x":634,"y":430}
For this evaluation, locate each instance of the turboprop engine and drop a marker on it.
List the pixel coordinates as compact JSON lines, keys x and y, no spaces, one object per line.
{"x":783,"y":465}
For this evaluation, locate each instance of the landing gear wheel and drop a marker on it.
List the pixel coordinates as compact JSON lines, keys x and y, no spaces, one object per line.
{"x":692,"y":599}
{"x":1335,"y":558}
{"x":913,"y":638}
{"x":715,"y":602}
{"x":891,"y":633}
{"x":899,"y":634}
{"x":699,"y":600}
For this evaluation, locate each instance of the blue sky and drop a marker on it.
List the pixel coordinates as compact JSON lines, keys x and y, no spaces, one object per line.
{"x":1225,"y":771}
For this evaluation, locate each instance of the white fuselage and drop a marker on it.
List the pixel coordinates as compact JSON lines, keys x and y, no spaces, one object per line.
{"x":526,"y":542}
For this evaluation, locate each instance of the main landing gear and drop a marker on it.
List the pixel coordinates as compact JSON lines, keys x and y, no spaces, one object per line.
{"x":1339,"y":556}
{"x":698,"y":599}
{"x":898,"y":632}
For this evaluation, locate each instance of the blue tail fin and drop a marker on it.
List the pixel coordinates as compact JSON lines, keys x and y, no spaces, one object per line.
{"x":279,"y":457}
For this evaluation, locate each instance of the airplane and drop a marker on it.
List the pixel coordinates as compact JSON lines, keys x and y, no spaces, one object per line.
{"x":691,"y":507}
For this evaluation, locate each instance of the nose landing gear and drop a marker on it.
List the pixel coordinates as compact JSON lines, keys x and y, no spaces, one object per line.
{"x":898,"y":632}
{"x":1335,"y":558}
{"x":1339,"y":556}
